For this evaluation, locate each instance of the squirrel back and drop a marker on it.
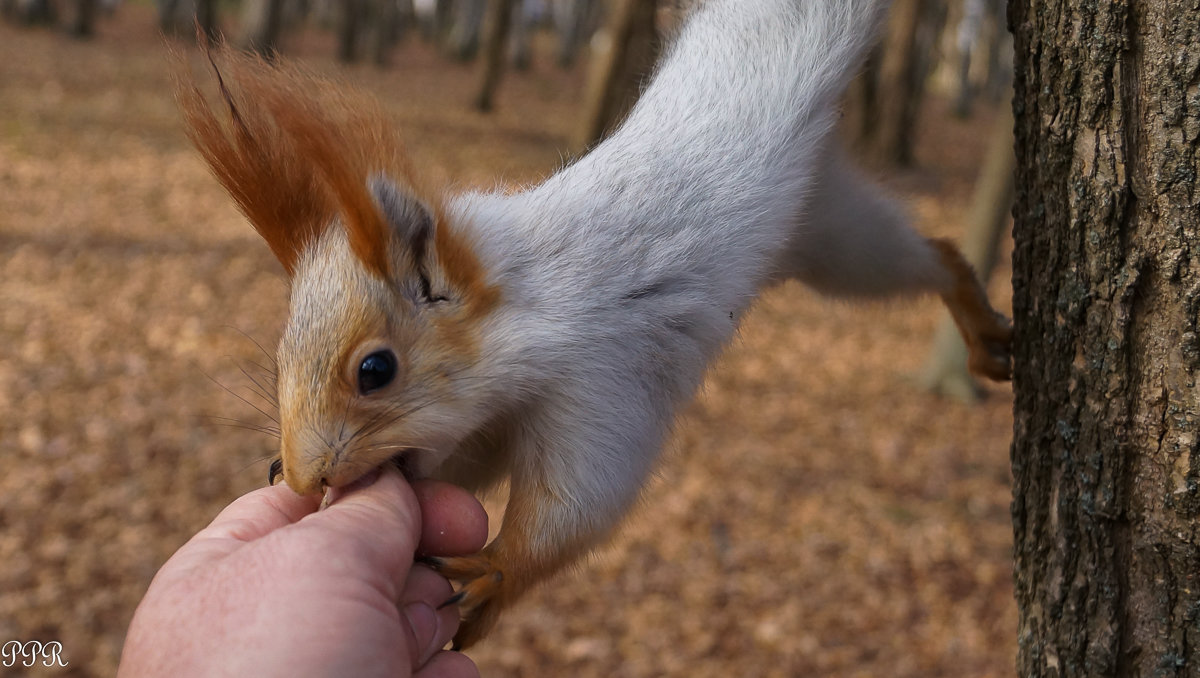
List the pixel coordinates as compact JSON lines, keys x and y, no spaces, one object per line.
{"x":550,"y":335}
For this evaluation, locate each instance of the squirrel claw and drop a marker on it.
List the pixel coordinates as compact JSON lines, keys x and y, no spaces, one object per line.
{"x":275,"y":472}
{"x":480,"y":597}
{"x":453,"y":600}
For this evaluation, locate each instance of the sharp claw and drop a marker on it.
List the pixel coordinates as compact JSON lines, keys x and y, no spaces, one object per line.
{"x":453,"y":600}
{"x":275,"y":471}
{"x":429,"y":561}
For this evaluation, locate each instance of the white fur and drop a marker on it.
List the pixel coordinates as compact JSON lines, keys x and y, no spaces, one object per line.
{"x":853,"y":241}
{"x":626,"y":273}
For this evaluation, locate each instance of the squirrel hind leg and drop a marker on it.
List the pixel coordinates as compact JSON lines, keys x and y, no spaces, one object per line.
{"x":987,"y":333}
{"x":855,"y":242}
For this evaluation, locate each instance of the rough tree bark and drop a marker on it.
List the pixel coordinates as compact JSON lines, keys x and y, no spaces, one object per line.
{"x":1106,"y":277}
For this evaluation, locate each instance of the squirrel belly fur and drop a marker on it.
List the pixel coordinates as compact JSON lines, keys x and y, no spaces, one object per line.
{"x":549,"y":336}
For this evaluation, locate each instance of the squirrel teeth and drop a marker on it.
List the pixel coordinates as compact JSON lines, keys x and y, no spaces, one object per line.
{"x":329,"y":496}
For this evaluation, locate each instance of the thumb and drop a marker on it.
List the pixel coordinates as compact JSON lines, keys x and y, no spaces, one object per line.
{"x":380,"y":517}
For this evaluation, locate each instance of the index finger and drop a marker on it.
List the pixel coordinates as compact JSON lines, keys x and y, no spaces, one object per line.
{"x":375,"y":522}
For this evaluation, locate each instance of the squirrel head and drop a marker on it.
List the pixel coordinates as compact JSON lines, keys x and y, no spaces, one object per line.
{"x":387,"y":299}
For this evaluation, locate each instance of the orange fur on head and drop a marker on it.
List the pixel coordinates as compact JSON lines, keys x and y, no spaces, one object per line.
{"x":296,"y":152}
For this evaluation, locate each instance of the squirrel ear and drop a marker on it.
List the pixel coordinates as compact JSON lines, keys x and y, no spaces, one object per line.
{"x":438,"y":253}
{"x":411,"y":221}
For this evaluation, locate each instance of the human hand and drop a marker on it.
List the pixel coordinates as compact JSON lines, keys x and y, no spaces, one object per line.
{"x":274,"y":587}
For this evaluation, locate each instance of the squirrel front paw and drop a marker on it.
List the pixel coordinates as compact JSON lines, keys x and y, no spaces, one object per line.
{"x":481,"y":596}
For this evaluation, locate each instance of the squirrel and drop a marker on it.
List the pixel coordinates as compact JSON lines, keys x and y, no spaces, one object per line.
{"x":550,"y":335}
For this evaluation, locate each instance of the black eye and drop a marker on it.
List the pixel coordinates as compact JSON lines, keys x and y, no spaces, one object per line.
{"x":376,"y":371}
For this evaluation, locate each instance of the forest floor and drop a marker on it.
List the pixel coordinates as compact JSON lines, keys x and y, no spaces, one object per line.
{"x":816,"y":513}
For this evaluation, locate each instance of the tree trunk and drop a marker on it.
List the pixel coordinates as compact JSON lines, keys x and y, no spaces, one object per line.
{"x":179,"y":17}
{"x":83,"y":23}
{"x":968,"y":35}
{"x":945,"y":370}
{"x":443,"y":13}
{"x":615,"y":79}
{"x":206,"y":16}
{"x":998,"y":73}
{"x":498,"y":22}
{"x":350,"y":17}
{"x":861,"y":108}
{"x":898,"y":87}
{"x":890,"y":90}
{"x":575,"y":21}
{"x":1106,"y":278}
{"x":466,"y":19}
{"x":262,"y":22}
{"x":389,"y":26}
{"x":37,"y":12}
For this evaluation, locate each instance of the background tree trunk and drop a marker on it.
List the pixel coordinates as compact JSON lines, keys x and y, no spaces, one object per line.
{"x":443,"y":13}
{"x":1106,"y":278}
{"x":83,"y":23}
{"x":499,"y":20}
{"x":390,"y":23}
{"x":618,"y":69}
{"x":37,"y":12}
{"x":180,"y":16}
{"x":350,"y":17}
{"x":887,"y":95}
{"x":945,"y":370}
{"x":262,"y":23}
{"x":206,"y":15}
{"x":901,"y":83}
{"x":575,"y":21}
{"x":465,"y":22}
{"x":968,"y":34}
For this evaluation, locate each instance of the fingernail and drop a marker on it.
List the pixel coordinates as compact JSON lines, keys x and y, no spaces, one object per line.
{"x":424,"y":623}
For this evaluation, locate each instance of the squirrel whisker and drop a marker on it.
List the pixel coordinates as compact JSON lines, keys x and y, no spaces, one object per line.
{"x":551,"y":335}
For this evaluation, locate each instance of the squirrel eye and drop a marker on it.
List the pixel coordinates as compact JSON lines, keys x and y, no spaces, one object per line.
{"x":376,"y":371}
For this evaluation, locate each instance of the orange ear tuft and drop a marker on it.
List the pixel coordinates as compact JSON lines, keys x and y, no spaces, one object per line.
{"x":296,"y":152}
{"x":279,"y":193}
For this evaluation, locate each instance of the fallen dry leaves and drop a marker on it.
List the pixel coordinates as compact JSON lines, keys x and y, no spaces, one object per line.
{"x":815,"y":515}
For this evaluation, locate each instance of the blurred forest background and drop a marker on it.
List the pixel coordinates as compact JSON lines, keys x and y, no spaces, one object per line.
{"x":835,"y":503}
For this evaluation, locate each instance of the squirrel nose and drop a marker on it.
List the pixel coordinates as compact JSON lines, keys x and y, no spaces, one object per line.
{"x":304,"y":483}
{"x":303,"y":470}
